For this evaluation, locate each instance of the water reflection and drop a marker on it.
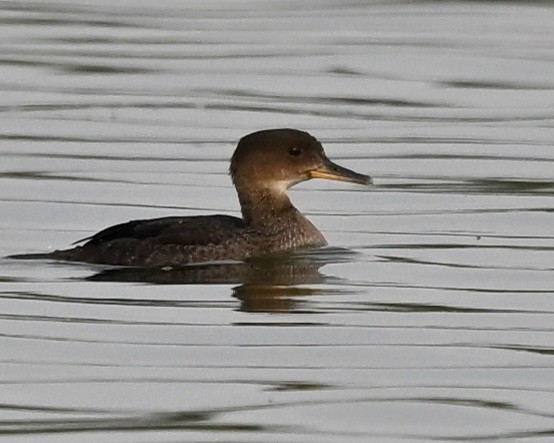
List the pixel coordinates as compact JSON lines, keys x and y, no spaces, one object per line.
{"x":271,"y":284}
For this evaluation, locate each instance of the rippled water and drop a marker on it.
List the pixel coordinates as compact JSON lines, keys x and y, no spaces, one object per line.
{"x":430,"y":318}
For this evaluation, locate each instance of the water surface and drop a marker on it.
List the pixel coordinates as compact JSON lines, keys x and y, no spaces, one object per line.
{"x":430,"y":317}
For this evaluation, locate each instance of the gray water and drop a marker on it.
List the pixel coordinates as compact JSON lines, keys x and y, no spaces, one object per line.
{"x":429,"y":318}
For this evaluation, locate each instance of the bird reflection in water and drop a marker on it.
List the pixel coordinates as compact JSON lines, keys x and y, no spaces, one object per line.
{"x":273,"y":284}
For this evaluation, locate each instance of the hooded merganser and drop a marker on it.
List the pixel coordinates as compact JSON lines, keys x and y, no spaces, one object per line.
{"x":264,"y":165}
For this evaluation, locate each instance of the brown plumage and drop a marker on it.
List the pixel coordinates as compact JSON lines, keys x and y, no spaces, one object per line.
{"x":264,"y":165}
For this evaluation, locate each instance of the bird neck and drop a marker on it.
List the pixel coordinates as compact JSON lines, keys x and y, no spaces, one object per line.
{"x":260,"y":204}
{"x":269,"y":211}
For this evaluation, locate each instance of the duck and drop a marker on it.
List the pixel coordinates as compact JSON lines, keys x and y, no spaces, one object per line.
{"x":264,"y":165}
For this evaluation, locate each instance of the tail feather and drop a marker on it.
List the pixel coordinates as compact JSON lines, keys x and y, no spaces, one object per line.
{"x":32,"y":256}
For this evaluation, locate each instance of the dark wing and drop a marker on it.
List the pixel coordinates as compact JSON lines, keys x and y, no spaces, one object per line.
{"x":197,"y":230}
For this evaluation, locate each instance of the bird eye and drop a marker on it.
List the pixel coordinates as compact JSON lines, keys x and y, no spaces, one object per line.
{"x":295,"y":151}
